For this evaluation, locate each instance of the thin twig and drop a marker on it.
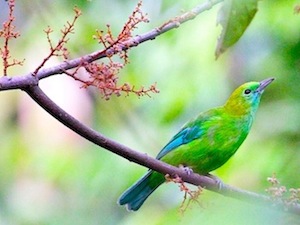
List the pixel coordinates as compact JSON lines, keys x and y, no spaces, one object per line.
{"x":7,"y":33}
{"x":55,"y":49}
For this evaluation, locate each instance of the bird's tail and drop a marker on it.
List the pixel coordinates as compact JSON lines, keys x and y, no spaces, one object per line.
{"x":135,"y":196}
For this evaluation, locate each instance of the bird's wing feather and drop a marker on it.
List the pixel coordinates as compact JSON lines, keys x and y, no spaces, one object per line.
{"x":185,"y":135}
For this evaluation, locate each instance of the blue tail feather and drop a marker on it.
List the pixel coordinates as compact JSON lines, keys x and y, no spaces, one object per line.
{"x":135,"y":196}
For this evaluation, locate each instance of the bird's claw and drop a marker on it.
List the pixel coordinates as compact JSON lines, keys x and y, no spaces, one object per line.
{"x":218,"y":181}
{"x":186,"y":169}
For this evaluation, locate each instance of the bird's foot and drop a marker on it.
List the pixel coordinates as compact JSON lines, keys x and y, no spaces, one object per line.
{"x":186,"y":169}
{"x":218,"y":181}
{"x":178,"y":180}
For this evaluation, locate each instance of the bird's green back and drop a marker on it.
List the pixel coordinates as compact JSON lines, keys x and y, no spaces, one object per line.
{"x":221,"y":135}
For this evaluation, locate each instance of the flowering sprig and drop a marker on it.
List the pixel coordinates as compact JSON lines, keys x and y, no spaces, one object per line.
{"x":105,"y":75}
{"x":189,"y":195}
{"x":281,"y":194}
{"x":59,"y":49}
{"x":7,"y":33}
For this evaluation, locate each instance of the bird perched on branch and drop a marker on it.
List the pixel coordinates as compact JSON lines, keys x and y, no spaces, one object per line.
{"x":205,"y":143}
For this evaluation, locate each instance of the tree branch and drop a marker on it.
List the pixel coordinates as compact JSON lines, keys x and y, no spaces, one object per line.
{"x":132,"y":42}
{"x":46,"y":103}
{"x":18,"y":82}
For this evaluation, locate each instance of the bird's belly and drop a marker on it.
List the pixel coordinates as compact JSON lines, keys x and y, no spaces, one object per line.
{"x":201,"y":157}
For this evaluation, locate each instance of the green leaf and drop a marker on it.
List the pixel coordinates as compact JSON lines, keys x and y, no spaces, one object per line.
{"x":234,"y":16}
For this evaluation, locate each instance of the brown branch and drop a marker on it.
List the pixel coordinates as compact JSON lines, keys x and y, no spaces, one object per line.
{"x":18,"y":82}
{"x":132,"y":42}
{"x":46,"y":103}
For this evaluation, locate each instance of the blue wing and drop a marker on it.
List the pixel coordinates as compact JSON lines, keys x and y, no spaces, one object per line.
{"x":186,"y":135}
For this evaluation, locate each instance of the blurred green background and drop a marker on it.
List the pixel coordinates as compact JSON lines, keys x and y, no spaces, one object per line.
{"x":49,"y":175}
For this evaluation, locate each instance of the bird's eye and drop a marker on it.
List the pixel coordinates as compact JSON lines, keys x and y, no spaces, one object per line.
{"x":247,"y":91}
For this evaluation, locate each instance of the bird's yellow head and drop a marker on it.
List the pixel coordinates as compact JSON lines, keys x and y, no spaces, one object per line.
{"x":245,"y":99}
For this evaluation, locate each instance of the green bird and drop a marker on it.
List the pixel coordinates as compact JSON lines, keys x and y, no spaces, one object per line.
{"x":205,"y":143}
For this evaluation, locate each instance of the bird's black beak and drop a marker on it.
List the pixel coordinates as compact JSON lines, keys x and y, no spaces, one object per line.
{"x":263,"y":84}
